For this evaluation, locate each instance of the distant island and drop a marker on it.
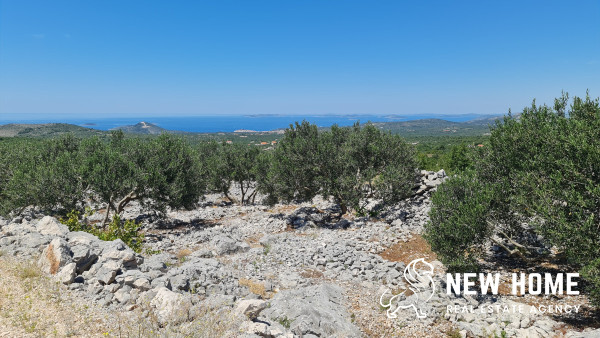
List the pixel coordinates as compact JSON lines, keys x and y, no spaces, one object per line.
{"x":143,"y":128}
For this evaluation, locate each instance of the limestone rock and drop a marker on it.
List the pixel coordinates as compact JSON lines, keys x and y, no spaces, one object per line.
{"x":170,"y":307}
{"x":316,"y":310}
{"x":56,"y":255}
{"x":67,"y":274}
{"x":251,"y":308}
{"x":50,"y":226}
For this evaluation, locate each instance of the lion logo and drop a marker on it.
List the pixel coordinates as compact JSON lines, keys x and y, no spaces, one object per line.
{"x":420,"y":284}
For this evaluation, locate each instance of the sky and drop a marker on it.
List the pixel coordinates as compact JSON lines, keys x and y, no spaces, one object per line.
{"x":73,"y":59}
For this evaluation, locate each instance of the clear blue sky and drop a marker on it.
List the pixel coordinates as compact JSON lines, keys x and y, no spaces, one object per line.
{"x":155,"y":58}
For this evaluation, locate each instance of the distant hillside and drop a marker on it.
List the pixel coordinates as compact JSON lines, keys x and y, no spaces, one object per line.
{"x":438,"y":127}
{"x":143,"y":128}
{"x":45,"y":130}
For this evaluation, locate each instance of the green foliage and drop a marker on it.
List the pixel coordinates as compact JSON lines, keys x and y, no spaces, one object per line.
{"x":540,"y":174}
{"x":158,"y":172}
{"x":285,"y":321}
{"x":459,"y":237}
{"x":45,"y":174}
{"x":232,"y":164}
{"x":127,"y":231}
{"x":349,"y":164}
{"x":296,"y":162}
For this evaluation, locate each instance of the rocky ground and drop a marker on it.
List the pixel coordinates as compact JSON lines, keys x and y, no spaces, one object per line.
{"x":252,"y":271}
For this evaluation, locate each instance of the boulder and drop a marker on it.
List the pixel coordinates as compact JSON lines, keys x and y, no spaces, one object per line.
{"x":56,"y":255}
{"x":107,"y":272}
{"x":316,"y":310}
{"x":50,"y":226}
{"x":250,"y":308}
{"x":142,"y":284}
{"x":67,"y":274}
{"x":83,"y":257}
{"x":226,"y":245}
{"x":170,"y":307}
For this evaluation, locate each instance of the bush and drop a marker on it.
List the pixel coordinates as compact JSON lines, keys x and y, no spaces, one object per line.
{"x":127,"y":231}
{"x":45,"y":174}
{"x":540,"y":175}
{"x":157,"y":173}
{"x":458,"y":226}
{"x":229,"y":164}
{"x":348,"y":164}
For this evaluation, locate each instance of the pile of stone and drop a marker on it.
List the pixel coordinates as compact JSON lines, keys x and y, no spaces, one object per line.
{"x":430,"y":180}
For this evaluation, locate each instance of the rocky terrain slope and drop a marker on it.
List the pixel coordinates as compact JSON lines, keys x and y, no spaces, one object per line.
{"x":258,"y":271}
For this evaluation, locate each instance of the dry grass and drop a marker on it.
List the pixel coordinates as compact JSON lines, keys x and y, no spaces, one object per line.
{"x":283,"y":209}
{"x":34,"y":305}
{"x":405,"y":252}
{"x":254,"y":240}
{"x":311,"y":273}
{"x":255,"y":287}
{"x":182,"y":254}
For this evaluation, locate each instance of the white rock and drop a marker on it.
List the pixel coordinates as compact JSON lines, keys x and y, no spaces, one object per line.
{"x":50,"y":226}
{"x":67,"y":274}
{"x":56,"y":255}
{"x":170,"y":307}
{"x":142,"y":283}
{"x":250,"y":307}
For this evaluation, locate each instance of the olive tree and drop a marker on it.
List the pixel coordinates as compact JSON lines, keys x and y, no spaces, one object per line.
{"x":42,"y":173}
{"x":158,"y":173}
{"x":232,"y":164}
{"x":349,"y":164}
{"x":539,"y":177}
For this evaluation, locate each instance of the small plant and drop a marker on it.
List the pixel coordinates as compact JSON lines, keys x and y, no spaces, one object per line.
{"x":454,"y":333}
{"x":254,"y":287}
{"x":150,"y":252}
{"x":285,"y":321}
{"x":28,"y":271}
{"x":266,"y":249}
{"x":72,"y":221}
{"x":127,"y":231}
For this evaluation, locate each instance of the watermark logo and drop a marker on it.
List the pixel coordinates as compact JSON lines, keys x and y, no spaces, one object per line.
{"x":418,"y":275}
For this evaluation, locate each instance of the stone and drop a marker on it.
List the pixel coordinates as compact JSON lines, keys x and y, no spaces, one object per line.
{"x":83,"y":257}
{"x":316,"y":310}
{"x":142,"y":284}
{"x":50,"y":226}
{"x":170,"y":307}
{"x":107,"y":272}
{"x":122,"y":296}
{"x":250,"y":308}
{"x":226,"y":245}
{"x":256,"y":328}
{"x":67,"y":274}
{"x":156,"y":263}
{"x":56,"y":255}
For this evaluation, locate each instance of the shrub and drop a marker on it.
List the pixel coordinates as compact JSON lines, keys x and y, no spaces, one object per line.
{"x":540,"y":175}
{"x":348,"y":164}
{"x":230,"y":164}
{"x":41,"y":173}
{"x":127,"y":231}
{"x":458,"y":226}
{"x":157,"y":173}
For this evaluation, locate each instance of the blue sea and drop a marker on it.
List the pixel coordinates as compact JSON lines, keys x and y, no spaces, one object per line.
{"x":230,"y":123}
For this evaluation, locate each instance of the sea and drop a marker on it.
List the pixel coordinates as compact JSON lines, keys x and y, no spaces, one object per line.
{"x":230,"y":123}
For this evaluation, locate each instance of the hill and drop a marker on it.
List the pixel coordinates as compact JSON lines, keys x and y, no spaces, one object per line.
{"x":143,"y":128}
{"x":45,"y":130}
{"x":438,"y":127}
